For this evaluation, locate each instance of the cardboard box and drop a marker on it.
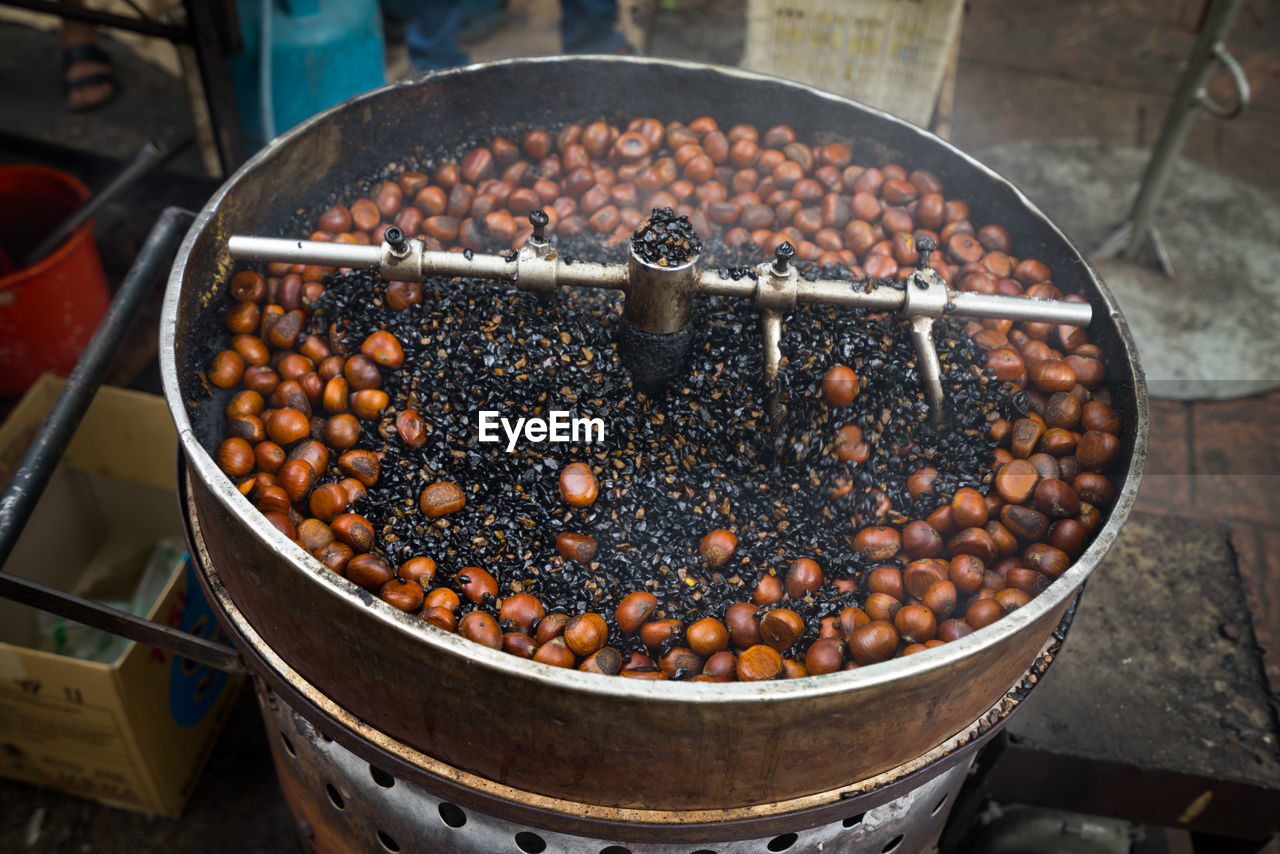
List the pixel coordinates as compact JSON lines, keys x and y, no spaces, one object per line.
{"x":134,"y":732}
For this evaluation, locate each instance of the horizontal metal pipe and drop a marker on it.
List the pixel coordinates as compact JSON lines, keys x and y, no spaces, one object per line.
{"x":477,"y":266}
{"x":319,"y":253}
{"x":969,"y":304}
{"x":712,"y":284}
{"x":850,"y":294}
{"x":589,"y":274}
{"x":117,"y":622}
{"x":595,"y":275}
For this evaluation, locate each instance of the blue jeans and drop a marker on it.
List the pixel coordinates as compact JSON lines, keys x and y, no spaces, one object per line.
{"x":586,"y":26}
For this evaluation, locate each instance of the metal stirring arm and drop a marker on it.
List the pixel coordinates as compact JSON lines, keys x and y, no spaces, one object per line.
{"x":659,"y":299}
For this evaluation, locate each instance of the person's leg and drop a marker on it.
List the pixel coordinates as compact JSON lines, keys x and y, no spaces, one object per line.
{"x":432,"y":37}
{"x":587,"y":26}
{"x":86,"y":70}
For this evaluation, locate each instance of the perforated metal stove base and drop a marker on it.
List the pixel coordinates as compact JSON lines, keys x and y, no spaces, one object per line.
{"x":342,"y":803}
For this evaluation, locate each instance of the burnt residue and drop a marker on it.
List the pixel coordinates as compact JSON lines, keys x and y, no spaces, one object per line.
{"x":665,"y":239}
{"x":674,"y":465}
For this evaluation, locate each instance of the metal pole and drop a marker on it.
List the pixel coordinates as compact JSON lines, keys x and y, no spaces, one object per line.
{"x":142,"y":162}
{"x":142,"y":26}
{"x":1188,"y":95}
{"x":41,"y":459}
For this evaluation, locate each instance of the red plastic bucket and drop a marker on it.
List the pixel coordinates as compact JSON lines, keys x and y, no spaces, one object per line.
{"x":48,"y":311}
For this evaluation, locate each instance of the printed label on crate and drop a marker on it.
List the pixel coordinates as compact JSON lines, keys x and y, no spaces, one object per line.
{"x":194,"y":688}
{"x":49,"y":738}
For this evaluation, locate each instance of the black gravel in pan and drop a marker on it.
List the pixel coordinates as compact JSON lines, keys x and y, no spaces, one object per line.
{"x":671,"y":467}
{"x":666,"y":240}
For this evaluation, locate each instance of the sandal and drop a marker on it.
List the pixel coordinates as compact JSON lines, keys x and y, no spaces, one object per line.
{"x":87,"y":53}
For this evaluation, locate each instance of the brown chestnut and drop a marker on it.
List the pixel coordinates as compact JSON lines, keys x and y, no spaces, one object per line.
{"x":577,"y":547}
{"x":717,"y":547}
{"x":825,"y":655}
{"x":476,"y":583}
{"x":369,"y":571}
{"x":915,"y":623}
{"x":1097,"y":450}
{"x":983,"y":612}
{"x":403,"y":594}
{"x":781,"y":628}
{"x":556,"y":653}
{"x":578,"y":485}
{"x":482,"y":628}
{"x":586,"y":633}
{"x":1016,"y":481}
{"x":634,"y":610}
{"x":418,"y":569}
{"x":940,"y":598}
{"x":707,"y":636}
{"x":744,"y":629}
{"x":655,"y":633}
{"x":840,"y":386}
{"x":354,"y":530}
{"x":768,"y":590}
{"x":968,"y":508}
{"x":803,"y":576}
{"x":442,"y":498}
{"x":882,"y":606}
{"x":759,"y":663}
{"x":966,"y":572}
{"x":876,"y":641}
{"x":921,"y":574}
{"x":878,"y":542}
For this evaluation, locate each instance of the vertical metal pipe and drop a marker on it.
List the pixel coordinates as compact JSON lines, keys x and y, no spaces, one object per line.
{"x":771,"y":323}
{"x":1178,"y":122}
{"x":930,"y":367}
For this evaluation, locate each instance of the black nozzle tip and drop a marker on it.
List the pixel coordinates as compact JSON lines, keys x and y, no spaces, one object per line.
{"x":394,"y":237}
{"x":782,"y":256}
{"x":539,"y":219}
{"x":925,"y":247}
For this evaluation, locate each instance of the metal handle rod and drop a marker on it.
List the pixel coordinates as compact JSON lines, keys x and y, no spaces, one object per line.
{"x":419,"y":265}
{"x":320,"y":253}
{"x":1222,"y":14}
{"x":41,"y":459}
{"x":143,"y":161}
{"x":1017,"y":309}
{"x":426,"y":263}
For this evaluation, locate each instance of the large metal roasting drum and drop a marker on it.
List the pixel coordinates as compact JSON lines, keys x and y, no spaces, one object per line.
{"x":615,"y":748}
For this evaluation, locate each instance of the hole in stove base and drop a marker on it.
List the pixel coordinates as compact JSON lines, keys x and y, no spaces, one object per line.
{"x":334,"y":797}
{"x":892,"y":844}
{"x":288,"y":745}
{"x":452,"y":814}
{"x":938,"y":806}
{"x":382,"y":778}
{"x":615,"y":849}
{"x":854,"y":820}
{"x":388,"y":843}
{"x":783,"y":842}
{"x":530,"y":843}
{"x":703,"y":851}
